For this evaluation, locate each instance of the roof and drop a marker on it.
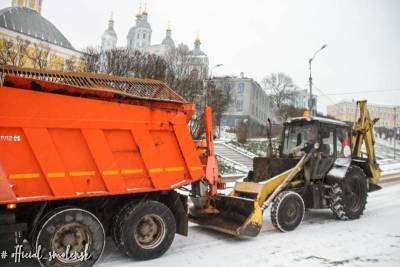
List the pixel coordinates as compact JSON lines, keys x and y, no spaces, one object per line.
{"x":319,"y":119}
{"x":29,"y":22}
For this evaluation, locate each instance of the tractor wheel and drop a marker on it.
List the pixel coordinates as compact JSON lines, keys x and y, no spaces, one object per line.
{"x":287,"y":211}
{"x":69,"y":237}
{"x":145,"y":230}
{"x":349,"y":197}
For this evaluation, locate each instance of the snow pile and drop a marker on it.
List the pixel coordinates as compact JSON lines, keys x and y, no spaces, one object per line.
{"x":225,"y":135}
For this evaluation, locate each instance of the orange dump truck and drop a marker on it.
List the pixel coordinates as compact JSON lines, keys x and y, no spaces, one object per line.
{"x":83,"y":156}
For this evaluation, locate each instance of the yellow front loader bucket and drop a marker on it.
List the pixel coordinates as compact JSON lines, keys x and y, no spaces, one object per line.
{"x":241,"y":212}
{"x":231,"y":215}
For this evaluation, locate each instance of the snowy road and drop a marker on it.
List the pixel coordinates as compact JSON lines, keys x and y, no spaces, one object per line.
{"x":373,"y":240}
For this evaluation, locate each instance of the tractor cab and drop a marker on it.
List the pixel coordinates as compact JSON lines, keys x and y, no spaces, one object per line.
{"x":299,"y":136}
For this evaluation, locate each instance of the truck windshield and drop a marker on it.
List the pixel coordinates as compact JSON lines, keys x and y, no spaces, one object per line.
{"x":296,"y":137}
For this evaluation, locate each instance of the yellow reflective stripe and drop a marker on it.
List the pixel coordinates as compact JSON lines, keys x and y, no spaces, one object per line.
{"x":83,"y":173}
{"x":175,"y":169}
{"x":156,"y":170}
{"x":1,"y":178}
{"x":195,"y":168}
{"x":132,"y":171}
{"x":110,"y":172}
{"x":24,"y":176}
{"x":56,"y":174}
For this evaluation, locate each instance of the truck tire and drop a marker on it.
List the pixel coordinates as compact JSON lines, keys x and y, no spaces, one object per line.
{"x":349,"y":196}
{"x":145,"y":230}
{"x":287,"y":211}
{"x":116,"y":222}
{"x":72,"y":231}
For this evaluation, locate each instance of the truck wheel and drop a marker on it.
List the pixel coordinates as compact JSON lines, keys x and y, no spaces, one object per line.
{"x":287,"y":211}
{"x":349,"y":197}
{"x":69,"y":237}
{"x":145,"y":230}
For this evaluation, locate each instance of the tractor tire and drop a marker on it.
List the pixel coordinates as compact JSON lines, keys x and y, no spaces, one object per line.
{"x":287,"y":211}
{"x":69,"y":237}
{"x":348,"y":198}
{"x":144,"y":230}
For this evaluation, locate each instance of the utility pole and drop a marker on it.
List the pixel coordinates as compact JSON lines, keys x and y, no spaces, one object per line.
{"x":394,"y":131}
{"x":310,"y":101}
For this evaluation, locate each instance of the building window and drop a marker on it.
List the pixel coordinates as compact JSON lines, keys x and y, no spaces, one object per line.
{"x":240,"y":89}
{"x":226,"y":88}
{"x":239,"y":105}
{"x":144,"y":36}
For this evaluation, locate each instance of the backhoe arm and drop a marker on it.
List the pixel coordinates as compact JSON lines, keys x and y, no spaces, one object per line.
{"x":363,"y":132}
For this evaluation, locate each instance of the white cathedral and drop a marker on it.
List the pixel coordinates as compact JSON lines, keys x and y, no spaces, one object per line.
{"x":139,"y":38}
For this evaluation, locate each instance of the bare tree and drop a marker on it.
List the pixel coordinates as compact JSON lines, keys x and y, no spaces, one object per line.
{"x":219,"y":100}
{"x":91,"y":59}
{"x":242,"y":131}
{"x":179,"y":61}
{"x":13,"y":52}
{"x":39,"y":55}
{"x":70,"y":64}
{"x":280,"y":86}
{"x":124,"y":62}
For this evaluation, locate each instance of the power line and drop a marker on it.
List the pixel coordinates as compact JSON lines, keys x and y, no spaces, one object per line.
{"x":364,"y":92}
{"x":323,"y":94}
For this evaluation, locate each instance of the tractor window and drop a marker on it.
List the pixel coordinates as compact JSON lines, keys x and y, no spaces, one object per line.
{"x":297,"y":137}
{"x":343,"y":143}
{"x":327,"y":141}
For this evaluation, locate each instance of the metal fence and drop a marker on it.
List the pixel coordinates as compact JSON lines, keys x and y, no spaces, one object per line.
{"x":121,"y":86}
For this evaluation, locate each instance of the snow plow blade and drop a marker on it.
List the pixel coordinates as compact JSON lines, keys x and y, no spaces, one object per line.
{"x":231,"y":215}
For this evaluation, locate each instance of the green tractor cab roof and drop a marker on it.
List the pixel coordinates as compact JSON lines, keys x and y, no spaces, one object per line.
{"x":316,"y":119}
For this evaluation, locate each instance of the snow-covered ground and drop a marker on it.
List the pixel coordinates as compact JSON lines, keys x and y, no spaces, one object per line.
{"x":373,"y":240}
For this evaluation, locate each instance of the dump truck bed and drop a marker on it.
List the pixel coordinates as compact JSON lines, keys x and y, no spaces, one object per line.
{"x":60,"y":139}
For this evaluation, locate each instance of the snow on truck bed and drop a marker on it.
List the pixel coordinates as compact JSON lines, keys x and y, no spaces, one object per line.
{"x":373,"y":240}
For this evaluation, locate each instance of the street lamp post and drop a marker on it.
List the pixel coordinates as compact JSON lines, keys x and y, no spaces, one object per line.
{"x":310,"y":102}
{"x":216,"y":66}
{"x":209,"y":79}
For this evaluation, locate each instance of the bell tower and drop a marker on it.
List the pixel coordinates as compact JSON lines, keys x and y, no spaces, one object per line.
{"x":31,"y":4}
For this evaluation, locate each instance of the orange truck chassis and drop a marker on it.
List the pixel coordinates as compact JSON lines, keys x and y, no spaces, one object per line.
{"x":83,"y":156}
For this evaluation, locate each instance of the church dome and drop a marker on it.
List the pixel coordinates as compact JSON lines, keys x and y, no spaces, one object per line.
{"x":168,"y":39}
{"x":140,"y":24}
{"x":29,"y":22}
{"x":109,"y":38}
{"x":110,"y":32}
{"x":169,"y":42}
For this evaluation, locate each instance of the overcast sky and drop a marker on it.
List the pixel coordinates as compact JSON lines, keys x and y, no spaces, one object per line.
{"x":258,"y":37}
